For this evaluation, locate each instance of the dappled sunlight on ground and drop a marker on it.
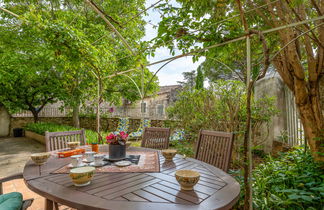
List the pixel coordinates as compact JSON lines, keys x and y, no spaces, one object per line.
{"x":15,"y":152}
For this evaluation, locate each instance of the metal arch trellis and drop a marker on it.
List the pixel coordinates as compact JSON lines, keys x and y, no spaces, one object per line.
{"x":221,"y":21}
{"x":170,"y":59}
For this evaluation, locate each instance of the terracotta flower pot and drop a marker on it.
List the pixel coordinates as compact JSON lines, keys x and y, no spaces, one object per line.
{"x":95,"y":147}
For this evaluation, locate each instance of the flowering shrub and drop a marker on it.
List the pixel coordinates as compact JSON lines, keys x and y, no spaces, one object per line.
{"x":117,"y":138}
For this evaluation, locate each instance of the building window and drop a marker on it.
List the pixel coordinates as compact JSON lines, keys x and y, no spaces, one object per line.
{"x":143,"y":107}
{"x":160,"y":109}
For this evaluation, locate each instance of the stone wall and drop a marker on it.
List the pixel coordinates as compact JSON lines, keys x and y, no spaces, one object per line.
{"x":107,"y":124}
{"x":272,"y":86}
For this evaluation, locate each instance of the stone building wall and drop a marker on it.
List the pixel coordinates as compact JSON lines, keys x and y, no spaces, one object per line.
{"x":270,"y":132}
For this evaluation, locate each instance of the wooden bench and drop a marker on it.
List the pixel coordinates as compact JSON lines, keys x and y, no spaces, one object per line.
{"x":58,"y":140}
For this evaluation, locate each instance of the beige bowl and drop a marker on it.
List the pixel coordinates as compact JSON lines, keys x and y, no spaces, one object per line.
{"x":169,"y":154}
{"x":187,"y":178}
{"x":73,"y":144}
{"x":40,"y":158}
{"x":82,"y":176}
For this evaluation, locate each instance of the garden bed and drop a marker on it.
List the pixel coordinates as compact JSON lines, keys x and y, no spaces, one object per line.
{"x":35,"y":136}
{"x":37,"y":131}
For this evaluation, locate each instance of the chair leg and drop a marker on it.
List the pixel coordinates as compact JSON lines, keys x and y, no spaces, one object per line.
{"x":27,"y":203}
{"x":48,"y":204}
{"x":56,"y":206}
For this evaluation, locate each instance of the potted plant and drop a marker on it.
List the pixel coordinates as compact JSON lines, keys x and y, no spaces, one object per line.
{"x":117,"y":145}
{"x":95,"y":147}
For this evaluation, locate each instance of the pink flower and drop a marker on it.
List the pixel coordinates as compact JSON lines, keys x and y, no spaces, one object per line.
{"x":110,"y":137}
{"x":123,"y":135}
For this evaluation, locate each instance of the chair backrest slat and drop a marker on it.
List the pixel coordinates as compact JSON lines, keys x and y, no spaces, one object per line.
{"x":215,"y":148}
{"x":58,"y":140}
{"x":156,"y":138}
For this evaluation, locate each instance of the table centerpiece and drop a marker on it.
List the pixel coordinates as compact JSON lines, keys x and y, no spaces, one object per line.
{"x":117,"y":145}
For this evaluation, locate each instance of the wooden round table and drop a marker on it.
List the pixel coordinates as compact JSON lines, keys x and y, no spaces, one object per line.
{"x":215,"y":189}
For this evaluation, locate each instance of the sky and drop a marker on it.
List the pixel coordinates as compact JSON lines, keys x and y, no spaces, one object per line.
{"x":171,"y":73}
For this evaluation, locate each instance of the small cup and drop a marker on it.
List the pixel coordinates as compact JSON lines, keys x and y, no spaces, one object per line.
{"x":76,"y":160}
{"x":98,"y":158}
{"x":169,"y":154}
{"x":89,"y":156}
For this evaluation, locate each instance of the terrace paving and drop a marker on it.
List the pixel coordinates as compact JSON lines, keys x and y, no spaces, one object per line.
{"x":14,"y":153}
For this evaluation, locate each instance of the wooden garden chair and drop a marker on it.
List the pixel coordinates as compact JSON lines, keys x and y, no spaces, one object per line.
{"x":14,"y":199}
{"x":215,"y":148}
{"x":156,"y":138}
{"x":58,"y":140}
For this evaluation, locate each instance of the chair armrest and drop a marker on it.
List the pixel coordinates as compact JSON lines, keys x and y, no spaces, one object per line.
{"x":11,"y":177}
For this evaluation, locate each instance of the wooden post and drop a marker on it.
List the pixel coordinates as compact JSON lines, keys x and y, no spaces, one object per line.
{"x":248,"y":81}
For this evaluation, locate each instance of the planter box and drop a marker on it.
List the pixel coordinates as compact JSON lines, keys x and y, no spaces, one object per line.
{"x":35,"y":136}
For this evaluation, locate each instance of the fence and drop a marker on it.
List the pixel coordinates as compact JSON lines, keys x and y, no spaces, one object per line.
{"x":295,"y":131}
{"x":132,"y":112}
{"x":45,"y":112}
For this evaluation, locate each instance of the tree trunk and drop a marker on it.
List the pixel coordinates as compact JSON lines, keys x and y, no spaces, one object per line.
{"x":314,"y":129}
{"x":75,"y":116}
{"x":35,"y":115}
{"x":98,"y":122}
{"x":99,"y":92}
{"x":246,"y":146}
{"x":302,"y":80}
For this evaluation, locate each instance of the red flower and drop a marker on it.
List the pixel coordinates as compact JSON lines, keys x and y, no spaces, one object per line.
{"x":119,"y":138}
{"x":110,"y":137}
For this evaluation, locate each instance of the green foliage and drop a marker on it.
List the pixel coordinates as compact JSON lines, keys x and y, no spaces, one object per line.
{"x":41,"y":127}
{"x":204,"y":23}
{"x":183,"y":147}
{"x":199,"y":79}
{"x":189,"y":80}
{"x":66,"y":46}
{"x":292,"y":181}
{"x":221,"y":107}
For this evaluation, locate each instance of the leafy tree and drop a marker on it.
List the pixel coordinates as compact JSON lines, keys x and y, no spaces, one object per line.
{"x":82,"y":49}
{"x":298,"y":50}
{"x":26,"y":81}
{"x":189,"y":80}
{"x":199,"y":79}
